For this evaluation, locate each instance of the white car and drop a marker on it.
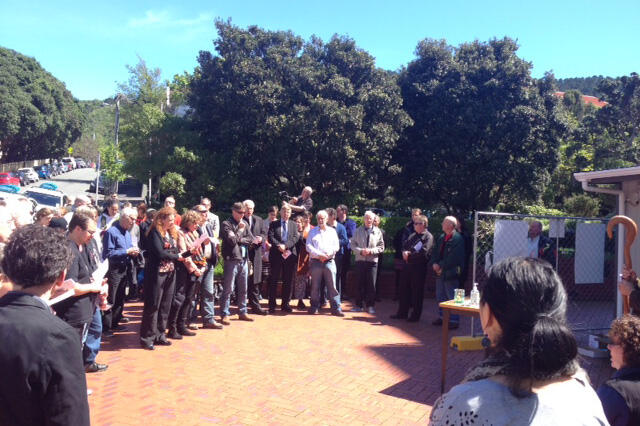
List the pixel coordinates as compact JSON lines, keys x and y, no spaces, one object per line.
{"x":70,"y":160}
{"x":45,"y":197}
{"x":31,"y":174}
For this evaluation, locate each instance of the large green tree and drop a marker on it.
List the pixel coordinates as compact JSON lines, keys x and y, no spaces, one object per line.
{"x":486,"y":133}
{"x":277,"y":113}
{"x":39,"y":117}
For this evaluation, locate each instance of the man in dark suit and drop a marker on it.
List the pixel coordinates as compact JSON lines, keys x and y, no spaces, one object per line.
{"x":259,"y":231}
{"x":43,"y":379}
{"x":283,"y":257}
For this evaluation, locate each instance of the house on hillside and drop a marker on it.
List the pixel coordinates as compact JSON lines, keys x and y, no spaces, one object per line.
{"x":588,"y":100}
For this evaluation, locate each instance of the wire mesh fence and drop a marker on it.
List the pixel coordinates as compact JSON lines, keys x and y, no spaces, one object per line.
{"x":577,"y":247}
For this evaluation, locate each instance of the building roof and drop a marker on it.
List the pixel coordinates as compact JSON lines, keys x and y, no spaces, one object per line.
{"x":609,"y":176}
{"x":591,"y":100}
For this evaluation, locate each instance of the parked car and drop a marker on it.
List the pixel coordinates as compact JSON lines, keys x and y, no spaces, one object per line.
{"x":11,"y":189}
{"x":43,"y":171}
{"x":7,"y":178}
{"x":81,"y":163}
{"x":64,"y":167}
{"x":69,"y":161}
{"x":45,"y":197}
{"x":30,"y":173}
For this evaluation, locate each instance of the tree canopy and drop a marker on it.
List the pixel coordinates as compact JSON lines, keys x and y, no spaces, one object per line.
{"x":277,"y":113}
{"x":485,"y":131}
{"x":38,"y":115}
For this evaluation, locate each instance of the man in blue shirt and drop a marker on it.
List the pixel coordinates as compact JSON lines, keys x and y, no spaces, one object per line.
{"x":118,"y":248}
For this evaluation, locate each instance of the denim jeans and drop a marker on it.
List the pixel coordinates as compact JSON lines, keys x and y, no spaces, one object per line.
{"x":445,"y":291}
{"x":94,"y":337}
{"x":235,"y":274}
{"x":207,"y":310}
{"x":324,"y":272}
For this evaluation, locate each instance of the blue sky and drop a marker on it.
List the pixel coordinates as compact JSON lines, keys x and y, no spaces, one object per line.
{"x":88,"y":44}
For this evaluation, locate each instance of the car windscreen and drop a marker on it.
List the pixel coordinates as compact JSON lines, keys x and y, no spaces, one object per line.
{"x":44,"y":199}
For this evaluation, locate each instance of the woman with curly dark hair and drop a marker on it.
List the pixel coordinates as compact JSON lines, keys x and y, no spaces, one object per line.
{"x":531,"y":374}
{"x":620,"y":395}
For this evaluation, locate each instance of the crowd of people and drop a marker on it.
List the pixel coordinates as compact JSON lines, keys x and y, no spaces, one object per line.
{"x":55,"y":261}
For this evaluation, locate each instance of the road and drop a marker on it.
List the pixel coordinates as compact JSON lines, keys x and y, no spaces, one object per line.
{"x":74,"y":182}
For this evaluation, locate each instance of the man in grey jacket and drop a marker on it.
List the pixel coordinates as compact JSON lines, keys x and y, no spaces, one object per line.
{"x":367,"y":243}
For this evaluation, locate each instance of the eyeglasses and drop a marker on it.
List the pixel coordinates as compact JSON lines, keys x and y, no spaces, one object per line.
{"x":418,"y":223}
{"x":201,"y":211}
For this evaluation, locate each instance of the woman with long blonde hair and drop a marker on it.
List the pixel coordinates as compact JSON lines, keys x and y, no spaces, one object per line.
{"x":160,"y":278}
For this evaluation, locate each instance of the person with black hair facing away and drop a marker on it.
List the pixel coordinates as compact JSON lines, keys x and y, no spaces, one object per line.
{"x":620,"y":395}
{"x":43,"y":380}
{"x":531,"y":374}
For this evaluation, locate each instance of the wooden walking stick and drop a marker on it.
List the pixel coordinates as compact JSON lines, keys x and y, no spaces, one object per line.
{"x":631,"y":231}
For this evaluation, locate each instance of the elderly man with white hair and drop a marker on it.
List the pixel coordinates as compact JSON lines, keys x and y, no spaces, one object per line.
{"x":303,"y":203}
{"x":118,"y":247}
{"x":448,"y":263}
{"x":322,"y":246}
{"x":367,"y":243}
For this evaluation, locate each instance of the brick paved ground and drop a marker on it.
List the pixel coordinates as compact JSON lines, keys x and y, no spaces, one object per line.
{"x":294,"y":369}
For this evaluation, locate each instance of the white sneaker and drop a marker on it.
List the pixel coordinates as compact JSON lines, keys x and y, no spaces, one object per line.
{"x":371,"y":310}
{"x":89,"y":391}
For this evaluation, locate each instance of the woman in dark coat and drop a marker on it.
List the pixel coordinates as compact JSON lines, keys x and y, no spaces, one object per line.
{"x":160,"y":276}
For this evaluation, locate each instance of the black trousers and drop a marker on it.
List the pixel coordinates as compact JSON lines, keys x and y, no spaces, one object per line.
{"x":117,"y":277}
{"x":253,"y":291}
{"x":158,"y":295}
{"x":286,"y":268}
{"x":412,"y":290}
{"x":342,"y":267}
{"x":185,"y":289}
{"x":366,"y":289}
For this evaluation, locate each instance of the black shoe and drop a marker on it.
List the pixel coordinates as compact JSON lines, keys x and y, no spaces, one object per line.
{"x":186,"y":332}
{"x":118,"y":327}
{"x":124,"y":320}
{"x":286,"y":308}
{"x":147,"y":346}
{"x":272,"y":310}
{"x":163,"y":341}
{"x":94,"y":367}
{"x":437,"y":321}
{"x":107,"y":333}
{"x":301,"y":306}
{"x":398,"y":316}
{"x":173,"y":334}
{"x":337,"y":313}
{"x":413,"y":319}
{"x":259,"y":312}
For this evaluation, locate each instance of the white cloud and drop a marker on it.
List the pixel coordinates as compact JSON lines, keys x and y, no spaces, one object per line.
{"x":163,"y":19}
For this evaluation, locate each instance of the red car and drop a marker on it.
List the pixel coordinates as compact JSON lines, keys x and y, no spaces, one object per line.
{"x":9,"y":179}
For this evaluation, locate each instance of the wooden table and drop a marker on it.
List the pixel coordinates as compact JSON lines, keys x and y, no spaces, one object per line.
{"x":448,"y":308}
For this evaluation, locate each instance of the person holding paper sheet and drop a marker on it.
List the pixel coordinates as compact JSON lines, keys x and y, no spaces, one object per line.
{"x":416,"y":252}
{"x":117,"y":246}
{"x":259,"y":231}
{"x":207,"y":298}
{"x":367,"y":243}
{"x":78,"y":310}
{"x":43,"y":381}
{"x":283,"y":236}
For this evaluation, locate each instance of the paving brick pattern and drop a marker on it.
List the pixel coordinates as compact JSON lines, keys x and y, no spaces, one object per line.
{"x":293,"y":369}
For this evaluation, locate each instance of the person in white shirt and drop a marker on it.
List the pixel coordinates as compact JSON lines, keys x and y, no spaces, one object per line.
{"x":322,"y":245}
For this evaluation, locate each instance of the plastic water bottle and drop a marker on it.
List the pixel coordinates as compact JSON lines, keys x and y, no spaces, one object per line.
{"x":474,"y":299}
